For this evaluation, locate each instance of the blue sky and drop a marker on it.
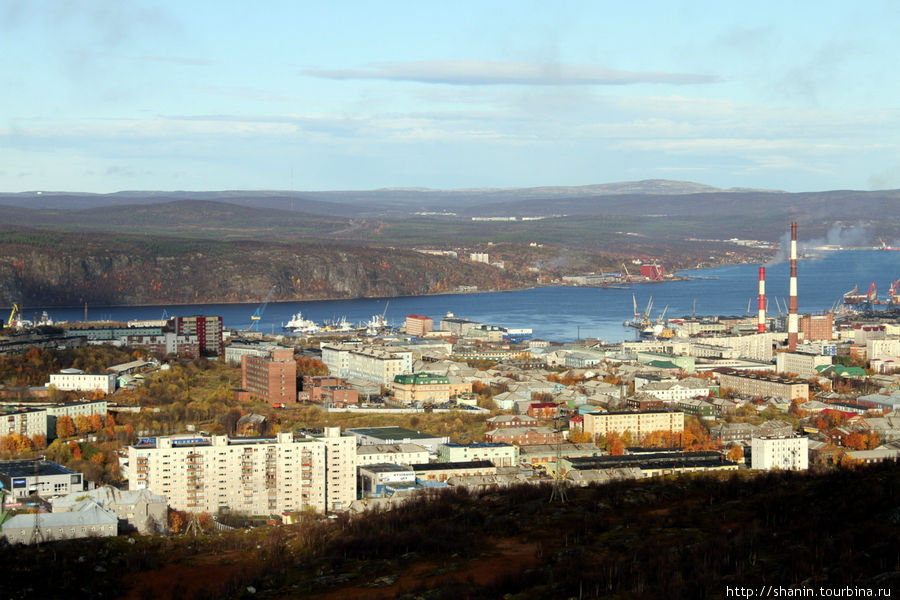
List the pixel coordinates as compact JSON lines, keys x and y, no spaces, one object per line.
{"x":100,"y":96}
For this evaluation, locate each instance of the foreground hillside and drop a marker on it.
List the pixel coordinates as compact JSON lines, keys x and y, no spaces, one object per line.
{"x":688,"y":538}
{"x":47,"y":269}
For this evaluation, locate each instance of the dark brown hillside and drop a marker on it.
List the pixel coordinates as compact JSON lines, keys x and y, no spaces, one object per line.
{"x":674,"y":538}
{"x":39,"y":268}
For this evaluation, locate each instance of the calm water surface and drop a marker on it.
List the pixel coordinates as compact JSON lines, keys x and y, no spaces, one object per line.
{"x":565,"y":313}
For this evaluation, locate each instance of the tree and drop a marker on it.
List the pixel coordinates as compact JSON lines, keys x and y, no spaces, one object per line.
{"x":96,"y":422}
{"x":736,"y":454}
{"x":65,"y":426}
{"x":39,"y":441}
{"x":82,"y":424}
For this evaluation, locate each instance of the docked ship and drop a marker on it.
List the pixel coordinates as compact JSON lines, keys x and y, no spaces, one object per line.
{"x":298,"y":324}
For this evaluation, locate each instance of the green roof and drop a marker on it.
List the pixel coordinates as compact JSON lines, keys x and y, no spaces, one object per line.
{"x":663,"y":364}
{"x":841,"y":370}
{"x":421,"y":379}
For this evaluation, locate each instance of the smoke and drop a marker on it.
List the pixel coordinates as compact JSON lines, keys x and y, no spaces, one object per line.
{"x":838,"y":236}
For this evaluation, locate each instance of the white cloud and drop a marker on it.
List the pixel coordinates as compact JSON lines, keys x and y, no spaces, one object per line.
{"x":490,"y":72}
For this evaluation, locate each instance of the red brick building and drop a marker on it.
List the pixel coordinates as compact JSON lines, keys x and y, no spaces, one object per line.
{"x":273,"y":378}
{"x":817,"y":327}
{"x":524,"y":436}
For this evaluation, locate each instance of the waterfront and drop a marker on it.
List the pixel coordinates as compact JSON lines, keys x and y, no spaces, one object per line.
{"x":565,"y":313}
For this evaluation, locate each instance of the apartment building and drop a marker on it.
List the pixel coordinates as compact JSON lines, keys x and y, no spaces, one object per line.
{"x":638,"y":423}
{"x":762,"y":384}
{"x":367,"y":363}
{"x":779,"y":452}
{"x":79,"y":381}
{"x":418,"y":325}
{"x":816,"y":327}
{"x":256,"y":476}
{"x":208,"y":330}
{"x":803,"y":364}
{"x":272,"y":377}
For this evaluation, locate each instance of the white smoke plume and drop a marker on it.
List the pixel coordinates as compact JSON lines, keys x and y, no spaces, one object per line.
{"x":838,"y":236}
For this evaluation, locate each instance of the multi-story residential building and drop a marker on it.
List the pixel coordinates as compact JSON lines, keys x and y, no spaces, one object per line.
{"x":697,"y":408}
{"x":804,"y":365}
{"x":673,"y":391}
{"x":272,"y":377}
{"x":236,"y":349}
{"x":779,"y":452}
{"x":257,"y":476}
{"x":169,"y":342}
{"x":22,"y":478}
{"x":396,"y":454}
{"x":524,"y":436}
{"x":763,"y":384}
{"x":73,"y":409}
{"x":419,"y":325}
{"x":208,"y":330}
{"x":79,"y":381}
{"x":370,"y":364}
{"x":427,"y":388}
{"x":27,"y":422}
{"x":638,"y":423}
{"x":500,"y":454}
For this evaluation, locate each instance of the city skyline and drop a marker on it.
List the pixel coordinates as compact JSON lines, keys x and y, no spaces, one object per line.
{"x":109,"y":97}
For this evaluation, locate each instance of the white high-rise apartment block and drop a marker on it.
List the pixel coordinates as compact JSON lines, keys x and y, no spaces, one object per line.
{"x":790,"y":453}
{"x":256,"y":476}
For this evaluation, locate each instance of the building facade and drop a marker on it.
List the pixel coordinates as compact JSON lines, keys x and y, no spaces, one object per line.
{"x":638,"y":423}
{"x":789,"y":453}
{"x":500,"y":454}
{"x":763,"y":384}
{"x":78,"y":381}
{"x":208,"y":329}
{"x":419,"y":325}
{"x":427,"y":388}
{"x":273,"y":377}
{"x":258,"y":476}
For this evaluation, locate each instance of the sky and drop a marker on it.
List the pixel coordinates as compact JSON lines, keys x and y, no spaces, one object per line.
{"x":105,"y":95}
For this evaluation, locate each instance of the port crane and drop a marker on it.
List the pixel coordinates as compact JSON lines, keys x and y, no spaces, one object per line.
{"x":257,"y":316}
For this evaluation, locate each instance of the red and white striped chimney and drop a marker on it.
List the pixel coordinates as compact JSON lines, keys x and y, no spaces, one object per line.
{"x":793,"y":329}
{"x":761,"y":321}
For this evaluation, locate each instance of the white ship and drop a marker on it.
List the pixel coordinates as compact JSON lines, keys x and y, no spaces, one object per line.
{"x":298,"y":324}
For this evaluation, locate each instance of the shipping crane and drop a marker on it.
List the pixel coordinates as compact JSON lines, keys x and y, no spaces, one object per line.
{"x":13,"y":316}
{"x":255,"y":317}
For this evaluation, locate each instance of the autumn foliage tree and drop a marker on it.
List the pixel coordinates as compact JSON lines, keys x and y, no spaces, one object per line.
{"x":65,"y":426}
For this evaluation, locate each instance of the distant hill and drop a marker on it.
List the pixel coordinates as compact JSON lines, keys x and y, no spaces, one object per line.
{"x":63,"y":269}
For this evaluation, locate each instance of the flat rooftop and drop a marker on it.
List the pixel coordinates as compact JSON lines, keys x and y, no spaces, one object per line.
{"x":26,"y":468}
{"x":391,"y":433}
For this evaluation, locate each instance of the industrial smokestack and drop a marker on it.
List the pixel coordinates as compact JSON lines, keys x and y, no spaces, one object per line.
{"x":761,"y":321}
{"x":793,"y":329}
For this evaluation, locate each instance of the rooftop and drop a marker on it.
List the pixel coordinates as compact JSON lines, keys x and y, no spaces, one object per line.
{"x":26,"y":468}
{"x":391,"y":433}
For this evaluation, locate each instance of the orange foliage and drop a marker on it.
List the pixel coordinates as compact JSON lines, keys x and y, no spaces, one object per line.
{"x":65,"y":426}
